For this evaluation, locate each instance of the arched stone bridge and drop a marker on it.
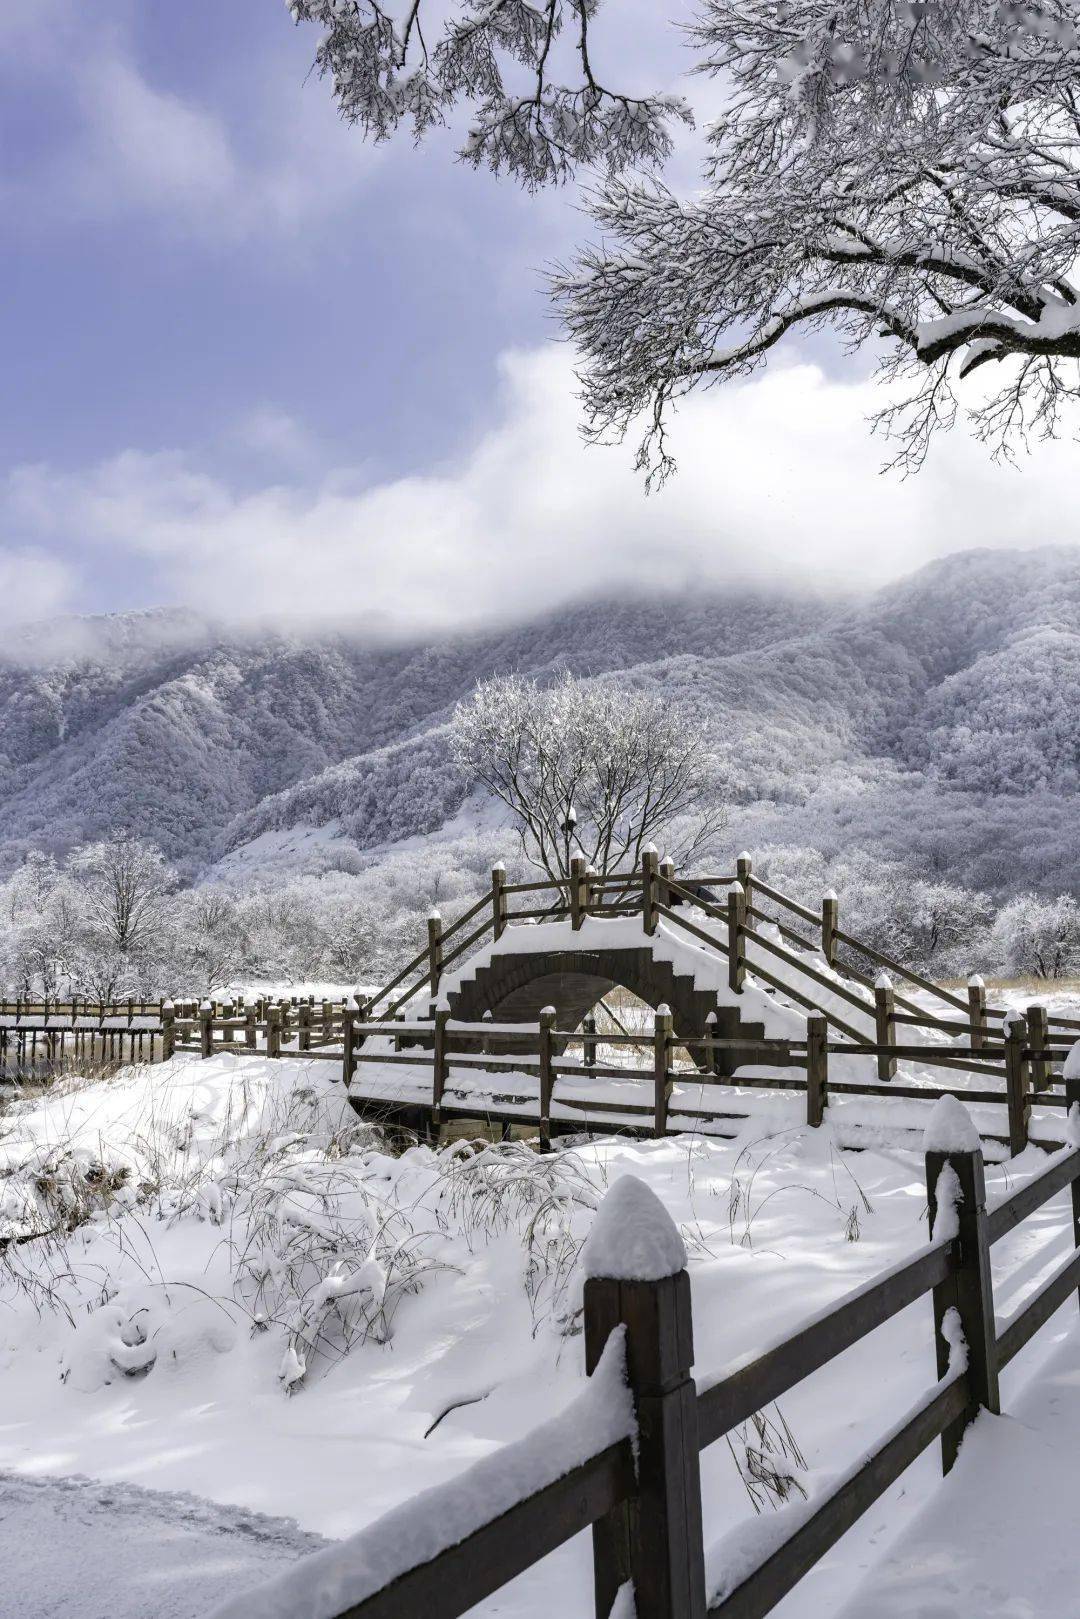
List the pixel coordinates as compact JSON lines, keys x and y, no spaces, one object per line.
{"x":515,"y":986}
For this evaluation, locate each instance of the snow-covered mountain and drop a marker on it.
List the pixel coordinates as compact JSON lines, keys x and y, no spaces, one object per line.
{"x":938,"y":717}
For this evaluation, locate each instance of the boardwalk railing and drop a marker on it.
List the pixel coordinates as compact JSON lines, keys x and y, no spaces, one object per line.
{"x":646,"y":1510}
{"x":38,"y":1038}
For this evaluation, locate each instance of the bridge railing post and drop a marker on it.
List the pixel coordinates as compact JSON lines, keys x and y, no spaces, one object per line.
{"x":1038,"y":1038}
{"x":578,"y":864}
{"x":251,"y":1031}
{"x":830,"y":912}
{"x":817,"y":1067}
{"x":662,"y":1040}
{"x":650,"y":864}
{"x":498,"y":898}
{"x":435,"y":951}
{"x":547,"y":1078}
{"x":712,"y":1050}
{"x":744,"y":871}
{"x":588,"y":1041}
{"x":273,"y":1031}
{"x":439,"y":1063}
{"x":976,"y":999}
{"x":736,"y":938}
{"x":206,"y":1029}
{"x":884,"y":1027}
{"x":168,"y":1029}
{"x":667,"y":874}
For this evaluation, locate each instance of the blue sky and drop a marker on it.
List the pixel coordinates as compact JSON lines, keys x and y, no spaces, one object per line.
{"x":243,"y":349}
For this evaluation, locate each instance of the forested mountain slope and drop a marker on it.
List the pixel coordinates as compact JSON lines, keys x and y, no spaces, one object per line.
{"x":939,"y":717}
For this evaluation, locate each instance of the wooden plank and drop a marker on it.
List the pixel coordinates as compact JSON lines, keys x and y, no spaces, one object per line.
{"x":782,"y":899}
{"x":904,"y":972}
{"x":1007,"y":1214}
{"x":774,"y":1578}
{"x":1025,"y":1323}
{"x":750,"y":1387}
{"x":463,"y":1575}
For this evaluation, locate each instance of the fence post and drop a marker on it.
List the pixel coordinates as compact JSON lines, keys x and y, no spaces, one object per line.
{"x":884,"y":1028}
{"x":304,"y":1023}
{"x":656,"y":1538}
{"x":498,"y":898}
{"x":650,"y":865}
{"x":438,"y":1063}
{"x":1038,"y":1040}
{"x":817,"y":1067}
{"x":662,"y":1036}
{"x":349,"y":1012}
{"x":968,"y":1288}
{"x":712,"y":1050}
{"x":547,"y":1026}
{"x":667,"y":873}
{"x":588,"y":1041}
{"x":227,"y":1011}
{"x":736,"y":938}
{"x":976,"y":998}
{"x":830,"y":916}
{"x":206,"y":1029}
{"x":434,"y":950}
{"x":744,"y":871}
{"x":1016,"y":1083}
{"x":168,"y":1030}
{"x":577,"y":890}
{"x":273,"y":1031}
{"x":251,"y":1029}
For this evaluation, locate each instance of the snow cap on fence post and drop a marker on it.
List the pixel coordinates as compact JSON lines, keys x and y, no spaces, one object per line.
{"x":1071,"y":1069}
{"x":976,"y":981}
{"x":633,"y":1238}
{"x":883,"y":981}
{"x":951,"y":1128}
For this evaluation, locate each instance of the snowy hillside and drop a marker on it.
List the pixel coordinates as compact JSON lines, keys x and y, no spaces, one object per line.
{"x":936,"y":719}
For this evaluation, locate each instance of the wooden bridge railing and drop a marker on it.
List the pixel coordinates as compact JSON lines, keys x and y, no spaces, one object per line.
{"x":645,"y":1507}
{"x":1027,"y":1074}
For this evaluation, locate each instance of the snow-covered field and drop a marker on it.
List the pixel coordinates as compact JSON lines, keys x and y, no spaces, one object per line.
{"x":221,"y":1233}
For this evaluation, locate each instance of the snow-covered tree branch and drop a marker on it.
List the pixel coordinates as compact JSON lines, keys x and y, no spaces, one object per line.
{"x":904,"y":175}
{"x":539,"y":105}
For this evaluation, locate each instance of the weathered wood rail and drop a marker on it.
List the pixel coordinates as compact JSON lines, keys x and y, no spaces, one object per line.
{"x":38,"y":1038}
{"x":644,"y":1505}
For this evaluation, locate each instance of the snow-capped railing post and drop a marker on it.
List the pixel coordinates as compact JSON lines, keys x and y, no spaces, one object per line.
{"x":438,"y":1062}
{"x":273,"y":1031}
{"x":830,"y":921}
{"x":635,"y":1269}
{"x":744,"y":871}
{"x":650,"y":865}
{"x":1070,"y":1078}
{"x":884,"y":1027}
{"x":1038,"y":1040}
{"x":251,"y":1028}
{"x":662,"y":1039}
{"x":736,"y":923}
{"x":435,"y":951}
{"x":712,"y":1050}
{"x":206,"y":1029}
{"x":588,"y":1041}
{"x":547,"y":1079}
{"x":576,"y":886}
{"x":976,"y":999}
{"x":964,"y":1301}
{"x":817,"y":1067}
{"x":667,"y":874}
{"x":168,"y":1029}
{"x":304,"y":1027}
{"x":350,"y":1012}
{"x":498,"y":898}
{"x":1016,"y":1082}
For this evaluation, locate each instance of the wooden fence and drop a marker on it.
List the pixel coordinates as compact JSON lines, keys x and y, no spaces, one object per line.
{"x":39,"y":1038}
{"x":643,"y":1500}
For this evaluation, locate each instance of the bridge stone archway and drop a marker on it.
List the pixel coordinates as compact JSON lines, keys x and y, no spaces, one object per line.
{"x":515,"y":986}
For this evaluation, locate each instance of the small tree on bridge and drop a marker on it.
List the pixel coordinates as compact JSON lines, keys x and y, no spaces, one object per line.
{"x":590,"y":769}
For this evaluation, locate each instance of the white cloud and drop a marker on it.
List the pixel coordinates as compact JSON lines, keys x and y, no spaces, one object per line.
{"x":34,"y":585}
{"x":779,"y":484}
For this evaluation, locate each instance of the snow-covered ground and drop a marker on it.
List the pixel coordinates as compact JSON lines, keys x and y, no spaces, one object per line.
{"x":222,"y":1232}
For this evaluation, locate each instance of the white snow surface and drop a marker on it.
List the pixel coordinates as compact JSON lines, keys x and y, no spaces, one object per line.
{"x":1071,"y":1069}
{"x":633,"y":1238}
{"x":147,"y":1347}
{"x":75,"y":1546}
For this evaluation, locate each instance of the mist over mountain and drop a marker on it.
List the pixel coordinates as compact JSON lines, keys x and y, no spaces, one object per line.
{"x":939,"y":719}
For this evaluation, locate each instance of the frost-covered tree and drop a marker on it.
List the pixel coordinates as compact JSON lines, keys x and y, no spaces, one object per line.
{"x":906,"y":175}
{"x":1039,"y":937}
{"x":590,"y":768}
